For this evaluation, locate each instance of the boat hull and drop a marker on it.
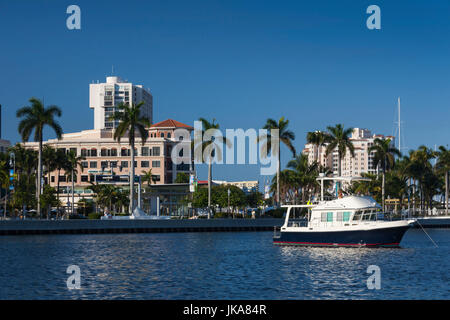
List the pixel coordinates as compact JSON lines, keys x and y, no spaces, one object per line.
{"x":379,"y":237}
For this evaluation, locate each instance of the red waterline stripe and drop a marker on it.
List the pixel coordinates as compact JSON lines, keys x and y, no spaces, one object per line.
{"x":339,"y":244}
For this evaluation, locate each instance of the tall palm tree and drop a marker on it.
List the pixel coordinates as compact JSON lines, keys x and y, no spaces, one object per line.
{"x":207,"y":148}
{"x":36,"y":117}
{"x":339,"y":138}
{"x":284,"y":135}
{"x":319,"y":139}
{"x":422,"y":170}
{"x":384,"y":157}
{"x":443,"y":167}
{"x":49,"y":159}
{"x":60,"y":164}
{"x":4,"y":179}
{"x":306,"y":173}
{"x":133,"y":123}
{"x":72,"y":164}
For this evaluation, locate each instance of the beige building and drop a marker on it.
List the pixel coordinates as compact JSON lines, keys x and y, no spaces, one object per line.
{"x":362,"y":162}
{"x":106,"y":158}
{"x":246,"y":186}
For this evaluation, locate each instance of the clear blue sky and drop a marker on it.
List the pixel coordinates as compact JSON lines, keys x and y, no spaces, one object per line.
{"x":241,"y":62}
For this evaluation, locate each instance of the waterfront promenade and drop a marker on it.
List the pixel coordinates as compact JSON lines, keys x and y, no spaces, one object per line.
{"x":20,"y":227}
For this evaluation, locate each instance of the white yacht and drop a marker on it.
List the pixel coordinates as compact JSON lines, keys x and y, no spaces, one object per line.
{"x":348,"y":221}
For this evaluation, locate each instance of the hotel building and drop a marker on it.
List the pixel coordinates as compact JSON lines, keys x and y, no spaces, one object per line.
{"x":108,"y":161}
{"x":362,"y":162}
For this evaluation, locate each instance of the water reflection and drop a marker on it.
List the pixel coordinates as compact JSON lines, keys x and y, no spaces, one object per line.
{"x":243,"y":265}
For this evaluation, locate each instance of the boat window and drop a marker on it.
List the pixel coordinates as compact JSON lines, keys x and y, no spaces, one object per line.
{"x":357,"y":216}
{"x":346,"y":216}
{"x":329,"y":216}
{"x":373,"y":216}
{"x":339,"y":216}
{"x":366,"y":216}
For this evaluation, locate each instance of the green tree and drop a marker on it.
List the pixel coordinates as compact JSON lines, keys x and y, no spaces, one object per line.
{"x":443,"y":168}
{"x":133,"y":123}
{"x":284,"y":135}
{"x":72,"y":164}
{"x":182,"y":177}
{"x":384,"y":157}
{"x":207,"y":149}
{"x":36,"y":117}
{"x":147,"y":177}
{"x":319,"y":139}
{"x":339,"y":138}
{"x":48,"y":199}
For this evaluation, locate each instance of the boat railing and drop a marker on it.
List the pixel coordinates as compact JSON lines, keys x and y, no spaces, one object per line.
{"x":297,"y":223}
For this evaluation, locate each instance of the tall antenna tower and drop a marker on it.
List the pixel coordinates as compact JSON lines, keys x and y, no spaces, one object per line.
{"x":399,"y":128}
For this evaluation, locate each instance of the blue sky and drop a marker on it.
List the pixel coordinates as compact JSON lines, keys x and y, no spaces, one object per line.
{"x":241,"y":62}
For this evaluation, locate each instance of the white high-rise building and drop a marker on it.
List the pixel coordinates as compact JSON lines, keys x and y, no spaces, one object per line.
{"x":362,"y":162}
{"x":103,"y":97}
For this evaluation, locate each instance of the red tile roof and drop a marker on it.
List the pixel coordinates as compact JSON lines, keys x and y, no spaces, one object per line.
{"x":170,"y":123}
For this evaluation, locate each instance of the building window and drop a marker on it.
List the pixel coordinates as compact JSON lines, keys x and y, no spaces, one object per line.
{"x":144,"y":151}
{"x":125,"y":152}
{"x":93,"y":164}
{"x":104,"y":164}
{"x":93,"y":152}
{"x":168,"y":135}
{"x":156,"y":177}
{"x":113,"y":152}
{"x":145,"y":164}
{"x":84,"y":164}
{"x":91,"y":178}
{"x":162,"y":134}
{"x":124,"y":164}
{"x":103,"y":153}
{"x":62,"y":178}
{"x":84,"y":178}
{"x":74,"y":150}
{"x":155,"y":151}
{"x":156,"y":164}
{"x":113,"y":164}
{"x":52,"y":178}
{"x":84,"y":153}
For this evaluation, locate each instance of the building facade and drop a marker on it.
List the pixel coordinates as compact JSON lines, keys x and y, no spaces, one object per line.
{"x":362,"y":162}
{"x":104,"y":97}
{"x":106,"y":159}
{"x":246,"y":186}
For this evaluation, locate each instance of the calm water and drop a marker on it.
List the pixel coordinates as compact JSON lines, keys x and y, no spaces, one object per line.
{"x":241,"y":265}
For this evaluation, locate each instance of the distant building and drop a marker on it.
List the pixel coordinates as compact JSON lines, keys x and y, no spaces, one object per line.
{"x":104,"y":97}
{"x":4,"y":145}
{"x":246,"y":186}
{"x":362,"y":140}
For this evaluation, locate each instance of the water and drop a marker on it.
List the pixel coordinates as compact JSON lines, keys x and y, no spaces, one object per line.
{"x":238,"y":265}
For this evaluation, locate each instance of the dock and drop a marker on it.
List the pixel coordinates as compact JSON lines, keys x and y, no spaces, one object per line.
{"x":26,"y":227}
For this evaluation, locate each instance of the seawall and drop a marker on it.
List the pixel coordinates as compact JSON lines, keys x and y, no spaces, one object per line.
{"x":22,"y":227}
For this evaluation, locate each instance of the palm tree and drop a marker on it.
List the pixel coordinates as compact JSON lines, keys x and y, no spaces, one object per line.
{"x":147,"y":177}
{"x":73,"y":162}
{"x":4,"y":179}
{"x":133,"y":123}
{"x":207,"y":148}
{"x":49,"y":159}
{"x":36,"y":117}
{"x":384,"y":157}
{"x":60,"y":164}
{"x":319,"y":139}
{"x":422,"y":170}
{"x":339,"y":138}
{"x":306,"y":173}
{"x":443,"y":167}
{"x":284,"y":135}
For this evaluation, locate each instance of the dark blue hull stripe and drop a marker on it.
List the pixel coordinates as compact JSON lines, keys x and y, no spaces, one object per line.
{"x":386,"y":237}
